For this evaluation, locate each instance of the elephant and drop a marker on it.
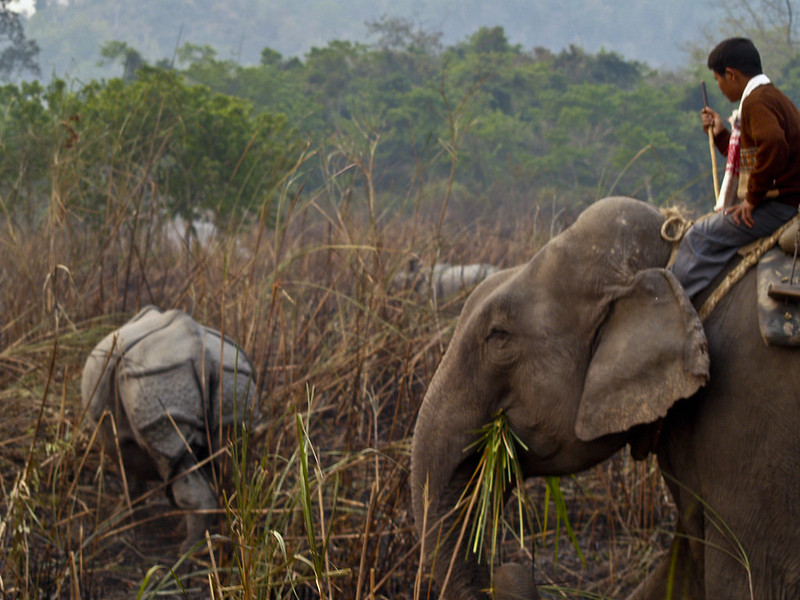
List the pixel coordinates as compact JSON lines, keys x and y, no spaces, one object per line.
{"x":593,"y":345}
{"x":169,"y":383}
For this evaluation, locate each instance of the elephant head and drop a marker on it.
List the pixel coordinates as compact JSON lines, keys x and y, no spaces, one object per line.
{"x":588,"y":340}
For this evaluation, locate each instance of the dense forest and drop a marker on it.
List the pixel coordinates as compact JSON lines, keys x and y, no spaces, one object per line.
{"x":492,"y":123}
{"x":404,"y":117}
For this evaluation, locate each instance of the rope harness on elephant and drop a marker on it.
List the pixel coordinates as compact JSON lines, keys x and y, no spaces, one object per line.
{"x":675,"y":227}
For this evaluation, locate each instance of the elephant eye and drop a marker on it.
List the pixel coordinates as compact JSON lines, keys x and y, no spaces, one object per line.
{"x":496,"y":334}
{"x":498,"y":349}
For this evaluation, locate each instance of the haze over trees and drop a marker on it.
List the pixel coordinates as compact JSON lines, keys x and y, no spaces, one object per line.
{"x":70,"y":32}
{"x":481,"y":122}
{"x":511,"y":126}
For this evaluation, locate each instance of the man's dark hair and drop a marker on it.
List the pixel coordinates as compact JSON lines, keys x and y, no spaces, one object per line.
{"x":735,"y":53}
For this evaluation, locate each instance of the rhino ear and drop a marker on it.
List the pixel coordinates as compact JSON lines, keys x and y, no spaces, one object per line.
{"x":651,"y":351}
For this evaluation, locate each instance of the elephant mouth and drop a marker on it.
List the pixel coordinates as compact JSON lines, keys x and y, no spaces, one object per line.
{"x":463,"y":481}
{"x":488,"y":473}
{"x":468,"y":525}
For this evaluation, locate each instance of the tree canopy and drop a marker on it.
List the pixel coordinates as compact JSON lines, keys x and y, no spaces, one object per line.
{"x":525,"y":125}
{"x":191,"y":150}
{"x":483,"y":118}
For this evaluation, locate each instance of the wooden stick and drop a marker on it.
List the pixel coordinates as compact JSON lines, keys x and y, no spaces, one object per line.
{"x":713,"y":151}
{"x":711,"y":146}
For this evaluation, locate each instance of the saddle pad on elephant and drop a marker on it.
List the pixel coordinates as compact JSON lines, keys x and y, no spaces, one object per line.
{"x":778,"y":319}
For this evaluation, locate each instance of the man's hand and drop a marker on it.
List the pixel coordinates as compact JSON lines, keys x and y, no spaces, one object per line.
{"x":742,"y":213}
{"x":712,"y":118}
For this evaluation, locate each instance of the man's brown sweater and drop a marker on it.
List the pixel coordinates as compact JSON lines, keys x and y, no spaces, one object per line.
{"x":769,"y":164}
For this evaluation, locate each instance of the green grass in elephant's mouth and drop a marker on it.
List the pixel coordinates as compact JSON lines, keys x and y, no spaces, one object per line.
{"x":497,"y":472}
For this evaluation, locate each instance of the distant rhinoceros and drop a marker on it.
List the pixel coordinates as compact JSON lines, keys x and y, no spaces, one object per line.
{"x":162,"y":377}
{"x":448,"y":279}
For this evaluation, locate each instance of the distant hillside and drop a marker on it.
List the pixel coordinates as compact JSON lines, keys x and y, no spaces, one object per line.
{"x":71,"y":33}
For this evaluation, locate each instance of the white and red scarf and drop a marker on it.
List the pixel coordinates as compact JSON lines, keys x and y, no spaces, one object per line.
{"x":730,"y":182}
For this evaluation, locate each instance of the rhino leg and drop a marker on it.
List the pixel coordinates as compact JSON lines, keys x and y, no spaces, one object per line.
{"x":191,"y":491}
{"x":139,"y":468}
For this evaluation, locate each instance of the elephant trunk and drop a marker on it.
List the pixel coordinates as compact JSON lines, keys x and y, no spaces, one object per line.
{"x":440,"y":472}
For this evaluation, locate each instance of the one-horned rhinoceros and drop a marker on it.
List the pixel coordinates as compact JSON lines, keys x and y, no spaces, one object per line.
{"x":169,"y":383}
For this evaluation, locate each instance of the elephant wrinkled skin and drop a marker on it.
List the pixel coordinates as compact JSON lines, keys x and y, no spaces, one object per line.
{"x":593,"y":345}
{"x":169,"y":384}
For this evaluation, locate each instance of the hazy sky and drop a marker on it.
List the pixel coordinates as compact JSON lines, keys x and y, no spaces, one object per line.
{"x":653,"y":31}
{"x":23,"y":6}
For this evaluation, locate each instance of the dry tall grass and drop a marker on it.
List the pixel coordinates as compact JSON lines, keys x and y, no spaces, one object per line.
{"x":317,"y":503}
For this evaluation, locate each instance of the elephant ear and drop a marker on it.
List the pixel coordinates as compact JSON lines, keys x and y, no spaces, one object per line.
{"x":651,"y":351}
